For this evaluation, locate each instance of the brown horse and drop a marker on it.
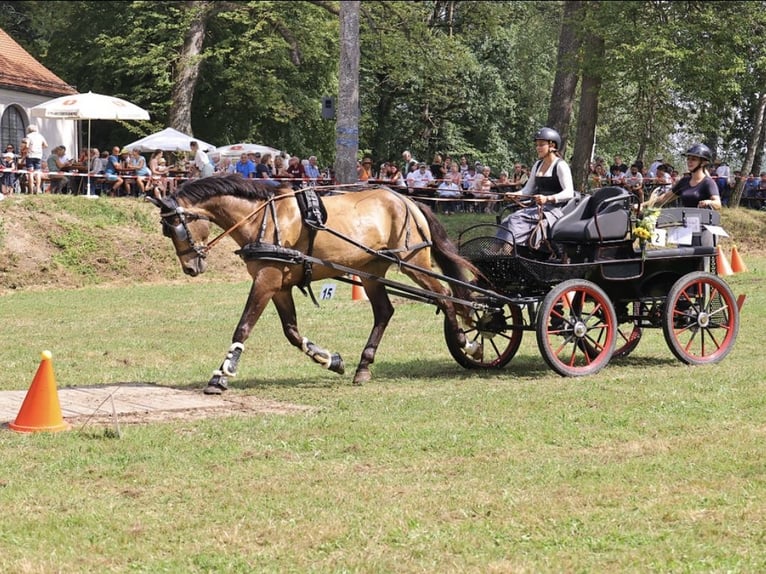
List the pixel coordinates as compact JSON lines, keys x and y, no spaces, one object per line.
{"x":366,"y":231}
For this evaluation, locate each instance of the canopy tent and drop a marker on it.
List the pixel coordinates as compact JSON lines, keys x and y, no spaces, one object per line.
{"x":236,"y":150}
{"x":168,"y":139}
{"x":89,"y":107}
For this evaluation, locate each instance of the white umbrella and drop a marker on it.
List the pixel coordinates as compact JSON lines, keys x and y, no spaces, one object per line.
{"x":89,"y":107}
{"x":236,"y":150}
{"x":168,"y":139}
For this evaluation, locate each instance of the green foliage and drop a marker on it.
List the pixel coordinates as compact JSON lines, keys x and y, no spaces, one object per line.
{"x":458,"y":77}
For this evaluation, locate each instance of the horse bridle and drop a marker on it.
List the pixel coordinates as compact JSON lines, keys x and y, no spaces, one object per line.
{"x":180,"y":231}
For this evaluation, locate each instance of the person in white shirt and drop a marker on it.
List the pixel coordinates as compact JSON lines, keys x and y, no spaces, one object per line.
{"x":36,"y":145}
{"x":201,"y":163}
{"x":420,"y":178}
{"x":652,"y":171}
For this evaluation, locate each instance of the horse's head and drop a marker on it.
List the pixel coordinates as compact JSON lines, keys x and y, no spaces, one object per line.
{"x":188,"y":231}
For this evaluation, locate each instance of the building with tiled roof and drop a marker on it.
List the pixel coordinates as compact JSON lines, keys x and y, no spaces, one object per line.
{"x":24,"y":83}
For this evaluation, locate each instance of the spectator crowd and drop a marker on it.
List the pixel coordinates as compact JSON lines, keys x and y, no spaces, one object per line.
{"x":449,"y":184}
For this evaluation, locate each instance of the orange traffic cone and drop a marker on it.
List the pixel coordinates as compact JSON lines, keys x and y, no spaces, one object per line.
{"x":357,"y":291}
{"x":737,"y":265}
{"x":41,"y":410}
{"x":722,"y":264}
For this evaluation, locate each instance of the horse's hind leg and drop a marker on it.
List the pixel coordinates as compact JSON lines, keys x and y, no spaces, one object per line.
{"x":382,"y":311}
{"x":285,"y":304}
{"x":430,"y":283}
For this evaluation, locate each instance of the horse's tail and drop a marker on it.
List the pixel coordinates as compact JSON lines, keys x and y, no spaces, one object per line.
{"x":446,"y":255}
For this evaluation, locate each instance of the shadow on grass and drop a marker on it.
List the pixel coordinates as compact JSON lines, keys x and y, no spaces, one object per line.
{"x":437,"y":369}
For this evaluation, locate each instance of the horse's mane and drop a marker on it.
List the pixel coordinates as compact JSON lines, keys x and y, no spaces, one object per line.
{"x":198,"y":190}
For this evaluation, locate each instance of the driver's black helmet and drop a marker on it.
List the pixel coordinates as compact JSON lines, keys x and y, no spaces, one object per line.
{"x":700,"y":150}
{"x":548,"y":134}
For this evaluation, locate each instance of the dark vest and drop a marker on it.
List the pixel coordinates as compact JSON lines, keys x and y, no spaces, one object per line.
{"x":548,"y":185}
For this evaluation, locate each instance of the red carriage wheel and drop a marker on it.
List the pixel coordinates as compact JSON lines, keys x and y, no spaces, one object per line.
{"x":701,"y":319}
{"x":576,"y":328}
{"x":497,"y":333}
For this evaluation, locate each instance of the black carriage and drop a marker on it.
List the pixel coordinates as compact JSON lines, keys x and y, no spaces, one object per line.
{"x":592,"y":297}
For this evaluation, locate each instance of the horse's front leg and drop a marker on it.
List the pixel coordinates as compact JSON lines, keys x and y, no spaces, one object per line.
{"x":260,"y":295}
{"x":285,"y":304}
{"x":382,"y":311}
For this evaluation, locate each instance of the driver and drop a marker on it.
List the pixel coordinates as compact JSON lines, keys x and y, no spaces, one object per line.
{"x":549,"y":185}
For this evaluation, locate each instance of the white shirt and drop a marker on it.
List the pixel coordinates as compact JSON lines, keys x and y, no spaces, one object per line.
{"x":36,"y":144}
{"x":419,"y":179}
{"x":723,"y":171}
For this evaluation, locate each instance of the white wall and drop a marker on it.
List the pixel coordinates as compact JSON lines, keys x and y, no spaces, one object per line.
{"x":56,"y":132}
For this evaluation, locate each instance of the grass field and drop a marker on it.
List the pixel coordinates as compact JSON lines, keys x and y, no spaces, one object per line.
{"x":650,"y":465}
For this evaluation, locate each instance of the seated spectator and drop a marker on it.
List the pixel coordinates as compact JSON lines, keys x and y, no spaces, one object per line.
{"x":751,"y":186}
{"x":142,"y":171}
{"x":158,"y":182}
{"x":420,"y":179}
{"x":112,"y":172}
{"x":280,"y":168}
{"x":662,"y":180}
{"x":364,"y":169}
{"x":482,"y":188}
{"x":312,"y":169}
{"x":503,"y":183}
{"x":634,"y":182}
{"x":393,"y":175}
{"x":264,"y":169}
{"x":519,"y":176}
{"x":448,"y":189}
{"x":438,"y":170}
{"x":245,"y":166}
{"x":468,"y":176}
{"x":760,"y":190}
{"x":296,"y":172}
{"x":9,"y":177}
{"x":56,"y":168}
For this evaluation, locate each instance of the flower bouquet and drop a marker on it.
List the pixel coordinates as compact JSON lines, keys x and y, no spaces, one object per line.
{"x":644,"y":227}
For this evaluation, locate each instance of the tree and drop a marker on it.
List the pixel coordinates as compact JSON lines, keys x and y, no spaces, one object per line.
{"x":347,"y":141}
{"x":567,"y":71}
{"x":588,"y":114}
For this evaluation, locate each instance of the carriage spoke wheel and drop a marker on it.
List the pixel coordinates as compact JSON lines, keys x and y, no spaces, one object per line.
{"x":628,"y":331}
{"x":497,"y":332}
{"x":701,"y":319}
{"x":576,"y":328}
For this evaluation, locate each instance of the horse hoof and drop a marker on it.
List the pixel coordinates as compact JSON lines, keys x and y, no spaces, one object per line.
{"x":216,"y":385}
{"x":362,"y":377}
{"x":336,"y":364}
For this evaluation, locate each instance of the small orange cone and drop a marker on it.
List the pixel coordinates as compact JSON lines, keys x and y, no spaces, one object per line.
{"x":357,"y":291}
{"x":737,"y":265}
{"x":41,"y":410}
{"x":722,"y":264}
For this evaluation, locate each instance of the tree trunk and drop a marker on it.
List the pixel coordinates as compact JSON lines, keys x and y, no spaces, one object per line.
{"x":752,"y":146}
{"x":187,"y":69}
{"x":565,"y":82}
{"x":347,"y":125}
{"x":588,"y":113}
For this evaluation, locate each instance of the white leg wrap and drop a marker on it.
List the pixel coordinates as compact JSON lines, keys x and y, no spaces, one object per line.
{"x":229,"y":366}
{"x":317,"y":354}
{"x":473,"y":349}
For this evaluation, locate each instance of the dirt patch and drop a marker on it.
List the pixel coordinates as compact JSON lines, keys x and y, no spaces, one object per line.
{"x":141,"y":403}
{"x":240,"y":406}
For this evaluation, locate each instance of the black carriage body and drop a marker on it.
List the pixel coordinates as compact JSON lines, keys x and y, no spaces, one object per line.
{"x":591,"y":298}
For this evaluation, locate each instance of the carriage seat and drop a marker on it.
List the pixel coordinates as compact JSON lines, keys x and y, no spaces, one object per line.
{"x":605,"y":215}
